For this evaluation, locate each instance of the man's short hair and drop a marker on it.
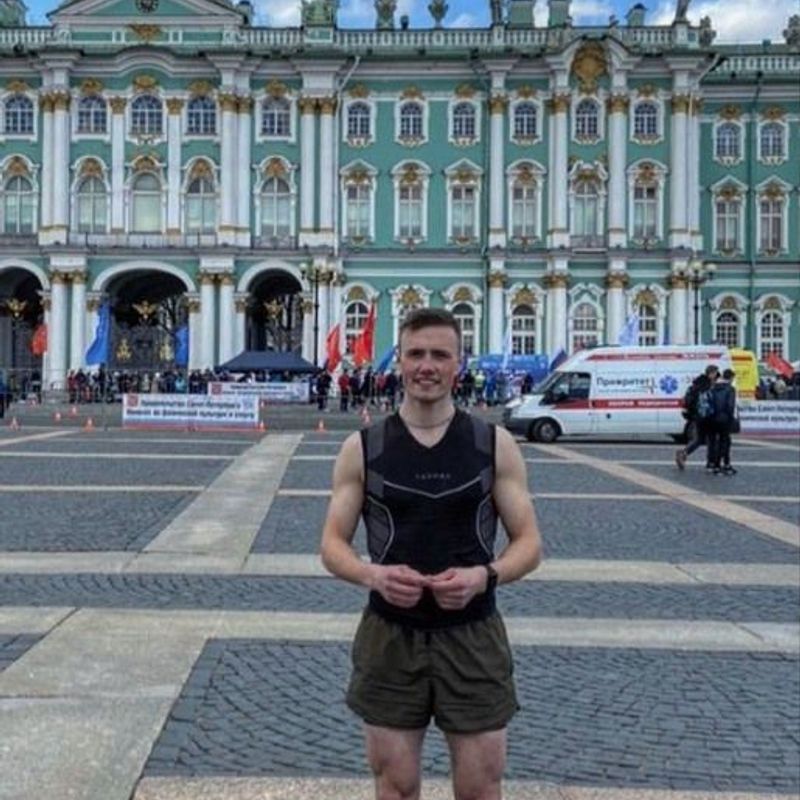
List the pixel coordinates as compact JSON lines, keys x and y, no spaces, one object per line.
{"x":429,"y":318}
{"x":729,"y":375}
{"x":712,"y":369}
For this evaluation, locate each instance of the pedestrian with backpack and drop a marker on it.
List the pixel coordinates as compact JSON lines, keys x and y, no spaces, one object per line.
{"x":722,"y":424}
{"x":698,"y":411}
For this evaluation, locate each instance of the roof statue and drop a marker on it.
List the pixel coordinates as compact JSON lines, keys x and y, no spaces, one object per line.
{"x":792,"y":32}
{"x":707,"y":33}
{"x":12,"y":14}
{"x":681,"y":10}
{"x":318,"y":13}
{"x":496,"y":8}
{"x":438,"y":10}
{"x":384,"y":10}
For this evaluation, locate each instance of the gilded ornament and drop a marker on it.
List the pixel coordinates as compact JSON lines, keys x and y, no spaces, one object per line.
{"x":174,"y":105}
{"x":465,"y":91}
{"x":526,"y":92}
{"x":647,"y":90}
{"x":17,"y":87}
{"x":616,"y":280}
{"x":245,"y":105}
{"x":226,"y":279}
{"x":46,"y":103}
{"x":729,"y":304}
{"x":57,"y":277}
{"x":589,"y":65}
{"x":462,"y":295}
{"x":356,"y":293}
{"x":200,"y":88}
{"x":118,"y":105}
{"x":147,"y":33}
{"x":93,"y":304}
{"x":274,"y":168}
{"x":680,"y":103}
{"x":774,"y":113}
{"x":559,"y":103}
{"x":730,"y":112}
{"x":91,"y":168}
{"x":358,"y":176}
{"x":201,"y":169}
{"x":497,"y":279}
{"x":61,"y":101}
{"x":124,"y":352}
{"x":144,"y":83}
{"x":618,"y":104}
{"x":556,"y":280}
{"x":276,"y":89}
{"x":410,"y":298}
{"x":774,"y":191}
{"x":360,"y":90}
{"x":16,"y":307}
{"x":327,"y":105}
{"x":307,"y":306}
{"x":645,"y":298}
{"x":464,"y":175}
{"x":729,"y":192}
{"x":207,"y":278}
{"x":228,"y":102}
{"x":498,"y":104}
{"x":410,"y":175}
{"x":17,"y":167}
{"x":193,"y":305}
{"x":240,"y":304}
{"x":524,"y":297}
{"x":525,"y":175}
{"x":91,"y":86}
{"x":773,"y":304}
{"x":411,"y":93}
{"x":78,"y":276}
{"x":677,"y":281}
{"x":307,"y":105}
{"x":146,"y":163}
{"x":647,"y":173}
{"x":146,"y":310}
{"x":165,"y":352}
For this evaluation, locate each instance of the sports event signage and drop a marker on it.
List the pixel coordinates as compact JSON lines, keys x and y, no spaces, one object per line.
{"x":194,"y":411}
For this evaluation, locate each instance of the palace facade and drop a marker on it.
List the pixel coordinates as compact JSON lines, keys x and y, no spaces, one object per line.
{"x":259,"y":185}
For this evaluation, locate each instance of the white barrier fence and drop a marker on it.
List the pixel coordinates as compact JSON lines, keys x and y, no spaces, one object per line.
{"x":768,"y":416}
{"x":272,"y":392}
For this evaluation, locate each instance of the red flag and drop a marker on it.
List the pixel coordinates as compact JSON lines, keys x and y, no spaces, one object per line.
{"x":364,"y":346}
{"x":39,"y":340}
{"x":333,"y":348}
{"x":780,"y":365}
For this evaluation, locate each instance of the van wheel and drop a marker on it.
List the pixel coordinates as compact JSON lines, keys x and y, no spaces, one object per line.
{"x":546,"y":431}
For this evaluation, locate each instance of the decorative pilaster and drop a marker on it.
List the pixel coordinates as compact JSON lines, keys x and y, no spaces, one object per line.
{"x":498,"y":106}
{"x":46,"y":212}
{"x":556,"y":283}
{"x":57,"y":332}
{"x":617,"y":160}
{"x":693,"y":177}
{"x":174,"y":108}
{"x":117,"y":164}
{"x":679,"y":159}
{"x":327,"y":162}
{"x":678,"y":305}
{"x":559,"y":138}
{"x":226,"y":318}
{"x":207,"y":356}
{"x":239,"y":327}
{"x":228,"y":169}
{"x":60,"y":176}
{"x":616,"y":282}
{"x":193,"y":307}
{"x":244,"y":173}
{"x":308,"y":160}
{"x":308,"y":329}
{"x":497,"y":323}
{"x":77,"y":345}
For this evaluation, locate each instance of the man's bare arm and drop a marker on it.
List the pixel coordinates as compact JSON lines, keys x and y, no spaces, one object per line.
{"x":398,"y":584}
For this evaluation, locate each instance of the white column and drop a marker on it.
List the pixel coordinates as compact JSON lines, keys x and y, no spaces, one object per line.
{"x":240,"y":322}
{"x":308,"y":158}
{"x":174,"y":107}
{"x":497,"y":323}
{"x":327,"y":161}
{"x":617,"y":160}
{"x":323,"y":314}
{"x":77,"y":345}
{"x":207,"y":317}
{"x":228,"y":169}
{"x":308,"y":330}
{"x":497,"y":218}
{"x":556,"y":283}
{"x":694,"y":176}
{"x":60,"y":176}
{"x":193,"y":307}
{"x":616,"y":281}
{"x":118,"y":165}
{"x":559,"y":137}
{"x":57,"y":332}
{"x":46,"y":213}
{"x":47,"y":307}
{"x":679,"y":158}
{"x":679,"y":307}
{"x":244,"y":173}
{"x":226,"y":318}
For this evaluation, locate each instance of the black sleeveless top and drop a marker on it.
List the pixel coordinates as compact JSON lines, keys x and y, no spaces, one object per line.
{"x":430,"y":508}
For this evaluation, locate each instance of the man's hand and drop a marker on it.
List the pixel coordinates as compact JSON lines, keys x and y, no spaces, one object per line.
{"x":455,"y":587}
{"x":398,"y":584}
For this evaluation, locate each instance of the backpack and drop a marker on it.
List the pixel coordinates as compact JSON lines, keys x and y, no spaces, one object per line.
{"x":690,"y":402}
{"x":706,"y":408}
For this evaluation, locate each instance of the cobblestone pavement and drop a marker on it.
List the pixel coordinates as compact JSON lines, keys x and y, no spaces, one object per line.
{"x":197,"y":662}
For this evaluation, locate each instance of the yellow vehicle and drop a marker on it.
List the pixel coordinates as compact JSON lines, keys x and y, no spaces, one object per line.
{"x":745,"y":364}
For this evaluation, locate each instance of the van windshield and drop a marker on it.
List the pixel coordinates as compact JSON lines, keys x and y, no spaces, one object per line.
{"x":548,"y":382}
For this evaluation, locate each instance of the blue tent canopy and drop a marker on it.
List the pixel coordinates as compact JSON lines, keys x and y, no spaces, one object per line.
{"x":268,"y":361}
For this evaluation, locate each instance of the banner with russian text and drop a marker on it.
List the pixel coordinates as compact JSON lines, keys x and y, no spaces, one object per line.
{"x":190,"y":411}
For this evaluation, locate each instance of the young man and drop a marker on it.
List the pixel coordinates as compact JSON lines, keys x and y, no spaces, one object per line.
{"x":430,"y":482}
{"x":695,"y":411}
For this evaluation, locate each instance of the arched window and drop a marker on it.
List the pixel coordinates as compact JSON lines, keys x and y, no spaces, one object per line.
{"x":465,"y":316}
{"x":585,"y":327}
{"x":523,"y":210}
{"x":648,"y":325}
{"x":92,"y":206}
{"x":92,"y":115}
{"x":18,"y":206}
{"x":525,"y":119}
{"x":18,"y":114}
{"x":523,"y":330}
{"x":146,"y":115}
{"x":276,"y":209}
{"x":411,"y":116}
{"x":464,"y":121}
{"x":726,"y":329}
{"x":358,"y":121}
{"x":201,"y":116}
{"x":645,"y":211}
{"x":728,"y":142}
{"x":587,"y":121}
{"x":355,"y":316}
{"x":276,"y":119}
{"x":771,"y":334}
{"x":772,"y":141}
{"x":201,"y":206}
{"x":146,"y":204}
{"x":645,"y":121}
{"x":585,"y":209}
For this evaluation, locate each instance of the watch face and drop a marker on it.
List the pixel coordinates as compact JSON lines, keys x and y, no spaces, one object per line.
{"x":147,"y":6}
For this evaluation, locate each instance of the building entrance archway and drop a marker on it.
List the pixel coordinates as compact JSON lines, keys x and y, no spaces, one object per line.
{"x":275,"y":313}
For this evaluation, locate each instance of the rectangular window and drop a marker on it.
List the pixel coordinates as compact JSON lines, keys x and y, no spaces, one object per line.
{"x":727,"y":213}
{"x":463,"y":200}
{"x":645,"y":206}
{"x":410,"y":212}
{"x":771,"y":225}
{"x":523,"y":212}
{"x":92,"y":214}
{"x":357,"y":212}
{"x":146,"y":214}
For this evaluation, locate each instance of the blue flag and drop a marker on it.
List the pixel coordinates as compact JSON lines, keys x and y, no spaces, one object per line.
{"x":386,"y":360}
{"x":629,"y":335}
{"x":182,"y":346}
{"x":98,"y":351}
{"x":559,"y":358}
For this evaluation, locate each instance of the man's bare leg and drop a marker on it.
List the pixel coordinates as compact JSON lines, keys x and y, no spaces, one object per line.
{"x":394,"y":756}
{"x":479,"y":760}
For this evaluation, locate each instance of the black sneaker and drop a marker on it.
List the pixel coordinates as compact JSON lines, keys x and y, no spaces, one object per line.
{"x":729,"y":470}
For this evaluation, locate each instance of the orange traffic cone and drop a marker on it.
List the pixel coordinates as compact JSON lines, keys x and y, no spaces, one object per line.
{"x":89,"y":424}
{"x":14,"y":424}
{"x":321,"y":426}
{"x":57,"y":416}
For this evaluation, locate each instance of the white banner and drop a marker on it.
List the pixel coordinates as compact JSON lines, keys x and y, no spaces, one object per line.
{"x":766,"y":416}
{"x":273,"y":392}
{"x":195,"y":411}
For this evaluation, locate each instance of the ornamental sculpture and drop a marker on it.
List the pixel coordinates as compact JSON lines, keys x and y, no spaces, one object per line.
{"x":589,"y":65}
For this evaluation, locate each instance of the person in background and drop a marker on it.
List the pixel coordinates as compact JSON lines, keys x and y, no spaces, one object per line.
{"x":698,"y":412}
{"x":723,"y":423}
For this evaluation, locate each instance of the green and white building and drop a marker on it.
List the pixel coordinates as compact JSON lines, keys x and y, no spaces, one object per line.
{"x":260,"y":184}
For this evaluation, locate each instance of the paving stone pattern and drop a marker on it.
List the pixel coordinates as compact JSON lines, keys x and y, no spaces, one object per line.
{"x":46,"y":471}
{"x":268,"y":593}
{"x":790,"y":512}
{"x":91,"y":445}
{"x":653,"y":451}
{"x":79,"y":522}
{"x":13,"y":647}
{"x":604,"y":717}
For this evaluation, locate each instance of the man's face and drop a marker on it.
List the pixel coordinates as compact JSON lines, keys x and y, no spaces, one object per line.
{"x":429,"y":362}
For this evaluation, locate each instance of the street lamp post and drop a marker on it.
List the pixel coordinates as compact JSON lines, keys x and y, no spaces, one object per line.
{"x":312,"y":274}
{"x":699,"y":273}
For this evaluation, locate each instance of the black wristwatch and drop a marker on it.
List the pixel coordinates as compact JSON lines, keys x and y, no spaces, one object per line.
{"x":491,"y":577}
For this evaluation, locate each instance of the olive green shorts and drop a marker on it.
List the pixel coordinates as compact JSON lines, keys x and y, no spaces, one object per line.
{"x":461,"y":676}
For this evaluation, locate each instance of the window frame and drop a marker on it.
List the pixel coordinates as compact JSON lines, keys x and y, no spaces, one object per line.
{"x":290,"y":111}
{"x":781,"y":157}
{"x":647,"y":138}
{"x":156,"y":107}
{"x":423,"y":181}
{"x":276,"y":233}
{"x":79,"y":198}
{"x":210,"y":109}
{"x":21,"y":195}
{"x":723,"y":158}
{"x":205,"y":198}
{"x":31,"y":115}
{"x":586,"y":138}
{"x":462,"y":139}
{"x":133,"y":205}
{"x":97,"y":100}
{"x":405,"y":139}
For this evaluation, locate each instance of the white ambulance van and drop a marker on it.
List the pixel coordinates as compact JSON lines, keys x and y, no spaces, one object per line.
{"x":614,"y":390}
